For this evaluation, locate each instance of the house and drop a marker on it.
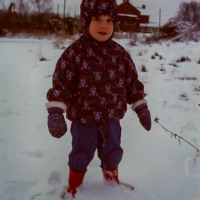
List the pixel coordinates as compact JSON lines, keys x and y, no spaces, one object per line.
{"x":130,"y":18}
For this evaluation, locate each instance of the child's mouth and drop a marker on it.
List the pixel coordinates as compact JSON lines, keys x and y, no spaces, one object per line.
{"x":102,"y":33}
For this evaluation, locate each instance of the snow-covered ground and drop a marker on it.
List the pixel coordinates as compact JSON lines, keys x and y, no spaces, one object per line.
{"x":34,"y":165}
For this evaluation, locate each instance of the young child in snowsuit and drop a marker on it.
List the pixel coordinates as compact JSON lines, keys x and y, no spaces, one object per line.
{"x":94,"y":80}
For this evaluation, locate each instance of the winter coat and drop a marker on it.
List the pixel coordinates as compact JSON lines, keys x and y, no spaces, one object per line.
{"x":96,"y":81}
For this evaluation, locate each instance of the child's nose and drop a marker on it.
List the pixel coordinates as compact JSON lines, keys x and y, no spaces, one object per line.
{"x":103,"y":23}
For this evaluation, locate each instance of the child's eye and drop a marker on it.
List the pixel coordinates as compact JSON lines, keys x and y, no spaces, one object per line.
{"x":110,"y":20}
{"x":97,"y":19}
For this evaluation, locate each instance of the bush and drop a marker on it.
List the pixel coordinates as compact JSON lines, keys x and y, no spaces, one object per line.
{"x":183,"y":59}
{"x":144,"y":69}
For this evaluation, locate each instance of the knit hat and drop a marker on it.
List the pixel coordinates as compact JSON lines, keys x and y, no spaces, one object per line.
{"x":90,"y":8}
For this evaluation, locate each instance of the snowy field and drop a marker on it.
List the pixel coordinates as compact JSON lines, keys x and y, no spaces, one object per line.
{"x":34,"y":165}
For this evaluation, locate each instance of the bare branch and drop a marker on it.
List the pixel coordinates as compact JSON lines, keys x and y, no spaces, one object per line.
{"x":177,"y":136}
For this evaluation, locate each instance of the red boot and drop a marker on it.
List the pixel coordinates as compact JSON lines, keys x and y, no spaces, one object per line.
{"x":111,"y":174}
{"x":74,"y":181}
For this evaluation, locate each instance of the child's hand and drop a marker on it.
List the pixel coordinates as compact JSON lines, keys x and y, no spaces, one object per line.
{"x":144,"y":116}
{"x":56,"y":122}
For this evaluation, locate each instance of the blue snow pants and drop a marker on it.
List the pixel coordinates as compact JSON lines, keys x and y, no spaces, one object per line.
{"x":87,"y":138}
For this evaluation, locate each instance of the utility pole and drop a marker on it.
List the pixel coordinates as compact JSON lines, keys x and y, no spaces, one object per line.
{"x":64,"y":9}
{"x":57,"y":10}
{"x":159,"y":18}
{"x":64,"y":15}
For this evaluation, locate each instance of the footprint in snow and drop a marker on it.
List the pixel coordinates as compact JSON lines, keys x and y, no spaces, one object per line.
{"x":35,"y":154}
{"x":55,"y":178}
{"x":17,"y":189}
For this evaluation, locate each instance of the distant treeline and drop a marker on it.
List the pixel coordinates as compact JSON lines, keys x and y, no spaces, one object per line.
{"x":31,"y":15}
{"x":188,"y":17}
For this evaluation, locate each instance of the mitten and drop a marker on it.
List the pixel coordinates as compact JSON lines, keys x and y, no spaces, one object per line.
{"x":56,"y":122}
{"x":144,"y":116}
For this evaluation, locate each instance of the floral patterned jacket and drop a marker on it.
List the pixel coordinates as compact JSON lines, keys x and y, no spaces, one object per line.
{"x":95,"y":81}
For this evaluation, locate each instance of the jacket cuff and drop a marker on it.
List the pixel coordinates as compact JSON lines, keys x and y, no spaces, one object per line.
{"x":56,"y":104}
{"x":138,"y":103}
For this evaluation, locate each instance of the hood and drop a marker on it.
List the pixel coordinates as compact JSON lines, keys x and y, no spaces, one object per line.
{"x":91,"y":8}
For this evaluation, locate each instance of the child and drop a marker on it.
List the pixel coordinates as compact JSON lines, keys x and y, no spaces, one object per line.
{"x":94,"y":80}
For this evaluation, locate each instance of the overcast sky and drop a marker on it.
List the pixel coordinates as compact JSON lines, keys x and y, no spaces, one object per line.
{"x":168,"y":8}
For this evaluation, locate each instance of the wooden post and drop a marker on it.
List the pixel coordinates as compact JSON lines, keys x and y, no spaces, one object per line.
{"x":64,"y":9}
{"x":64,"y":15}
{"x":57,"y":10}
{"x":159,"y":18}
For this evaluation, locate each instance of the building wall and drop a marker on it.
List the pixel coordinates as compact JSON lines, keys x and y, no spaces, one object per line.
{"x":130,"y":17}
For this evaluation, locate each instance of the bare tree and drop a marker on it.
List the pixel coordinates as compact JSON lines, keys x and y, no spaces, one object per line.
{"x":189,"y":11}
{"x":23,"y":8}
{"x":41,"y":7}
{"x":6,"y":17}
{"x":194,"y":11}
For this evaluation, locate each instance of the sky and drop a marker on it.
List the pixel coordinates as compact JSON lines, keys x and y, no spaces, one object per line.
{"x":168,"y":8}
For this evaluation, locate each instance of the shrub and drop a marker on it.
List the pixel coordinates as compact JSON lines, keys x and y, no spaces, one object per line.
{"x":187,"y":78}
{"x":144,"y":69}
{"x":183,"y":59}
{"x":184,"y":96}
{"x":156,"y":55}
{"x":173,"y":64}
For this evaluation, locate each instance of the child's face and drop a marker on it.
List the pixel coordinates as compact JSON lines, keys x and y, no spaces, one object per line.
{"x":101,"y":28}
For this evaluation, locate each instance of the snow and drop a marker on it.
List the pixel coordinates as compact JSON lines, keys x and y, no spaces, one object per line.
{"x":127,"y":15}
{"x":34,"y":165}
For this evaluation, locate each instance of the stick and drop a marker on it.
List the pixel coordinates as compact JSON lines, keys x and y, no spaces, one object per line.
{"x":175,"y":135}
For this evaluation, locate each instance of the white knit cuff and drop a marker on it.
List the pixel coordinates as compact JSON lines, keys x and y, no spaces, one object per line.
{"x":137,"y":103}
{"x":56,"y":104}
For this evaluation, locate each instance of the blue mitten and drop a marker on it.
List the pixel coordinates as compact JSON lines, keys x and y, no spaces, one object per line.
{"x":144,"y":116}
{"x":56,"y":122}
